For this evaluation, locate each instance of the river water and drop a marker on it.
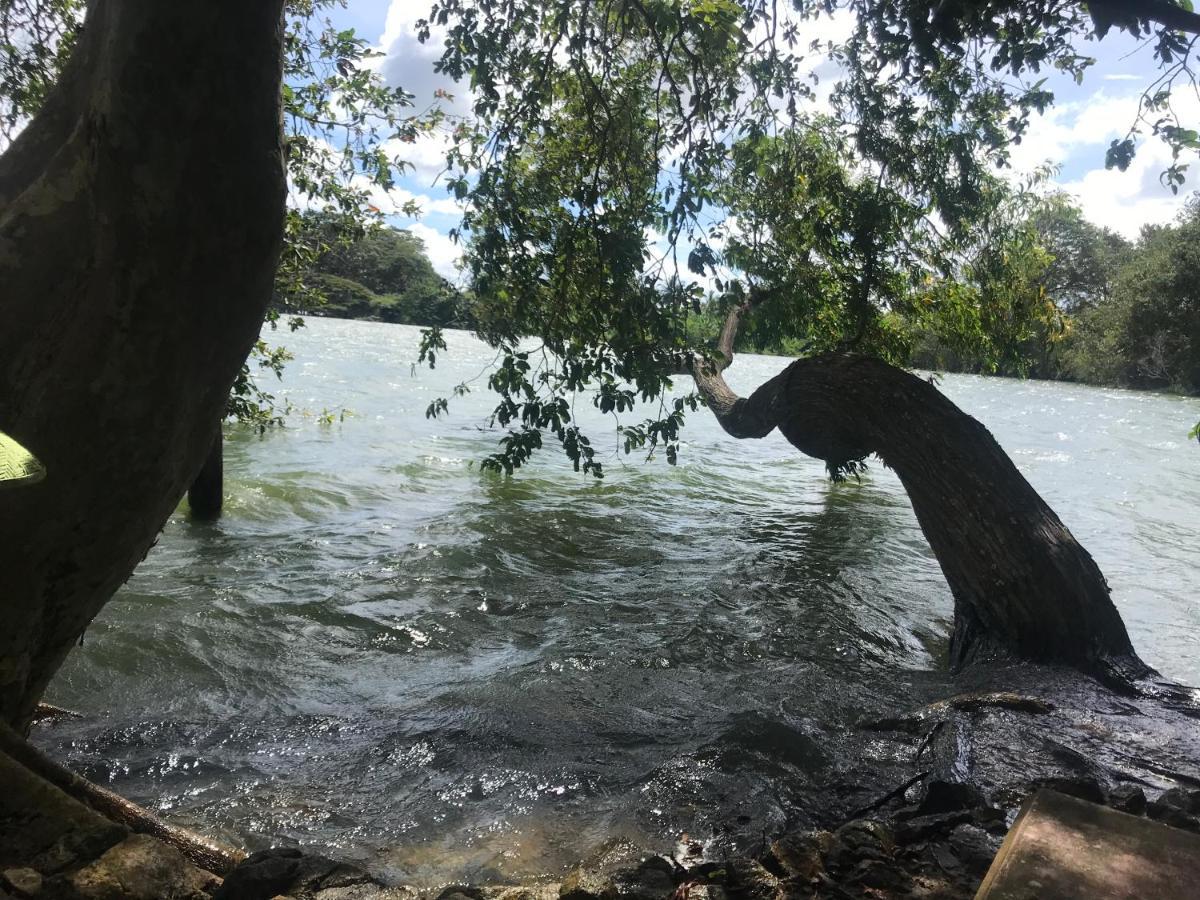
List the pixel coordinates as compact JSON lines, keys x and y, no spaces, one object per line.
{"x":382,"y":652}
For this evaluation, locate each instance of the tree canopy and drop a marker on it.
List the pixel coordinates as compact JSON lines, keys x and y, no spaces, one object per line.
{"x":382,"y":274}
{"x":634,"y":161}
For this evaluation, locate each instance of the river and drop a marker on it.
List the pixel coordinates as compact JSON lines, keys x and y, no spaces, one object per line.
{"x":385,"y":653}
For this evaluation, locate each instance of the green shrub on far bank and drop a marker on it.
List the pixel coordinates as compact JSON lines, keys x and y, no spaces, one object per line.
{"x":383,"y":275}
{"x":1131,"y":311}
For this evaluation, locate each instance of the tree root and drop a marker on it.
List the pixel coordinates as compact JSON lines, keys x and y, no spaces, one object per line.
{"x":203,"y":852}
{"x":48,"y":712}
{"x":916,"y":721}
{"x":888,"y":797}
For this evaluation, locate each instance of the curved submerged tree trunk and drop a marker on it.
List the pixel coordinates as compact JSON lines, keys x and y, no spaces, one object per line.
{"x":140,"y":221}
{"x":1023,"y":586}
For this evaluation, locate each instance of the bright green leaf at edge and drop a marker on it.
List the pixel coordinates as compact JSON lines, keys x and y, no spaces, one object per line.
{"x":18,"y":465}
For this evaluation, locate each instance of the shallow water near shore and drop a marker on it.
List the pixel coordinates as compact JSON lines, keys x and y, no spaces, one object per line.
{"x":384,"y":653}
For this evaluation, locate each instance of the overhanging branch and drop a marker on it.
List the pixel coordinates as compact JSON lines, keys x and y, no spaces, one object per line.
{"x":1161,"y":12}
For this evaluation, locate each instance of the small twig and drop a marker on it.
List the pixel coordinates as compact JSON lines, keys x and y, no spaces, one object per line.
{"x":928,"y":739}
{"x":889,"y":796}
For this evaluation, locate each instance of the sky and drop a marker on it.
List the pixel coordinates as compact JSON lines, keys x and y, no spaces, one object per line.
{"x":1073,"y":134}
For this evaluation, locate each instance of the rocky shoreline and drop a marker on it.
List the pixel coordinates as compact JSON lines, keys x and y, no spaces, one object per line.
{"x":937,"y":843}
{"x":965,"y":765}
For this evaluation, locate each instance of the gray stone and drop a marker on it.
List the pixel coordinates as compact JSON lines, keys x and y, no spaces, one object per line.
{"x":880,"y":876}
{"x":799,"y":856}
{"x":528,"y":892}
{"x":706,"y":892}
{"x":653,"y":879}
{"x":24,"y":882}
{"x":586,"y":884}
{"x":925,"y":827}
{"x":365,"y":892}
{"x":1178,"y":798}
{"x":860,"y":839}
{"x":948,"y":796}
{"x":1169,"y":813}
{"x":974,"y":847}
{"x":1128,"y":798}
{"x":750,"y":879}
{"x":141,"y":868}
{"x":261,"y":875}
{"x":42,"y":827}
{"x":1082,"y":788}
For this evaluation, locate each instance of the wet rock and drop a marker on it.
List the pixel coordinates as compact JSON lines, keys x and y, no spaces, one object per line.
{"x":860,"y":839}
{"x":1128,"y":798}
{"x":880,"y":876}
{"x":286,"y":871}
{"x":748,"y":879}
{"x":949,"y":796}
{"x":990,"y":819}
{"x":586,"y":884}
{"x":653,"y":879}
{"x":1185,"y":801}
{"x":974,"y":847}
{"x":946,"y":859}
{"x":693,"y":891}
{"x":527,"y":892}
{"x":24,"y":882}
{"x":1175,"y":807}
{"x":799,"y":856}
{"x":1084,"y":788}
{"x":261,"y":875}
{"x":142,"y":868}
{"x":923,"y":828}
{"x":41,"y":827}
{"x":368,"y":891}
{"x":319,"y":875}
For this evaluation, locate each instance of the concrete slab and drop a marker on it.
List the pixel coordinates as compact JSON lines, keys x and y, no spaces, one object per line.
{"x":1061,"y":847}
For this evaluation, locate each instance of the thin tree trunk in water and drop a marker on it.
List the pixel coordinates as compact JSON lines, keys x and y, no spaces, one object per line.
{"x":206,"y":494}
{"x":1022,"y":585}
{"x":140,"y":220}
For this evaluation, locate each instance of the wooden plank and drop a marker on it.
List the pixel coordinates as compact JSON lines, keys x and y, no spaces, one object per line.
{"x":1061,"y":847}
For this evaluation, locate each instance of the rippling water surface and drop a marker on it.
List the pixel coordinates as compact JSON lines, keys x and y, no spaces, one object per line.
{"x":382,"y":651}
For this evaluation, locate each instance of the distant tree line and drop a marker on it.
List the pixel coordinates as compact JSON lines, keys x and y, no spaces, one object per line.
{"x":1110,"y":311}
{"x":1130,"y":310}
{"x":380,"y":273}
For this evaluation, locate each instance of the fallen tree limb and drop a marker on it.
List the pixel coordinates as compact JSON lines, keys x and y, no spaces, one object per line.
{"x":204,"y":852}
{"x":888,"y":797}
{"x":48,"y":712}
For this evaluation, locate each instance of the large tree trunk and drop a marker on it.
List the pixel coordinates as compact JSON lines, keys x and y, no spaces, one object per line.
{"x":140,"y":221}
{"x":1023,"y":586}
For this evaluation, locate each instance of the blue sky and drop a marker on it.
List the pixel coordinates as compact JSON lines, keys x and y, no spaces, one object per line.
{"x":1073,"y":134}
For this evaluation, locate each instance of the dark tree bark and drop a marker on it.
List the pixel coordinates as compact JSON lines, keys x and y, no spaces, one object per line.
{"x":207,"y":492}
{"x":1023,"y":586}
{"x":140,"y":221}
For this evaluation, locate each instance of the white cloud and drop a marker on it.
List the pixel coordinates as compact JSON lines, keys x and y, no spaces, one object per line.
{"x":392,"y":203}
{"x":409,"y":63}
{"x":1053,"y":136}
{"x":443,"y":252}
{"x":1081,"y":132}
{"x":426,"y":155}
{"x":1125,"y":201}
